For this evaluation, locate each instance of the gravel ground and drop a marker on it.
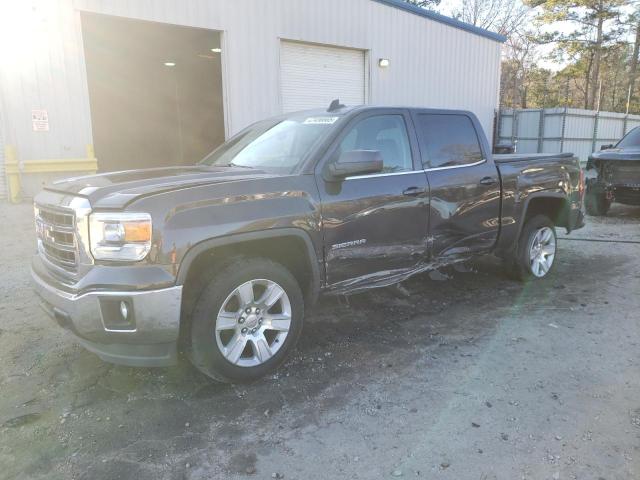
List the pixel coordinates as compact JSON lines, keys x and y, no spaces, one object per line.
{"x":472,"y":376}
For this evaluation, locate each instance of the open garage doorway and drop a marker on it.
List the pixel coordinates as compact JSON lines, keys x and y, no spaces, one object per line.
{"x":155,"y":91}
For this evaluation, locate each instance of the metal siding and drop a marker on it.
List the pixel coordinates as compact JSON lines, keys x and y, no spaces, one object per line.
{"x":553,"y":126}
{"x":610,"y":126}
{"x":527,"y":146}
{"x":45,"y":69}
{"x":632,"y":123}
{"x":528,"y":124}
{"x":312,"y":75}
{"x":432,"y":64}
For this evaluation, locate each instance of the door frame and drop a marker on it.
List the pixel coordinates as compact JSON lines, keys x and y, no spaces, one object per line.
{"x":485,"y":150}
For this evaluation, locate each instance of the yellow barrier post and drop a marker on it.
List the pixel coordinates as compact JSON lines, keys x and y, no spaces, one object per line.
{"x":12,"y":170}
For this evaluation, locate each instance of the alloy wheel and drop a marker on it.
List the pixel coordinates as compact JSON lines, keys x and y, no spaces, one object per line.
{"x":542,"y":251}
{"x":253,"y":323}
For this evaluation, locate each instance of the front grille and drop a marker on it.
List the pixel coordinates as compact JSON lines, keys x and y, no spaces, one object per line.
{"x":56,"y":232}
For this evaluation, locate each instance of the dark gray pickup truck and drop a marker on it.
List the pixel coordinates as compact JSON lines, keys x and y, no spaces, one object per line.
{"x":221,"y":260}
{"x":614,"y":175}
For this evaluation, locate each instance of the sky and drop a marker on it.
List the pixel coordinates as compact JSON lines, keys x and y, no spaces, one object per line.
{"x":448,"y":7}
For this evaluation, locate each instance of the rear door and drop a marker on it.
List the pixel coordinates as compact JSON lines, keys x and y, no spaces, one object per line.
{"x":375,"y":225}
{"x":464,"y":183}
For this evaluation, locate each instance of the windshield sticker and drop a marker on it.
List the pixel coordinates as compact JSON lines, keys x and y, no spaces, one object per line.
{"x":320,"y":120}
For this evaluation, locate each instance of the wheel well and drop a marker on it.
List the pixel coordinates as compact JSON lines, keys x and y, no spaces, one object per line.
{"x":289,"y":251}
{"x":553,"y":207}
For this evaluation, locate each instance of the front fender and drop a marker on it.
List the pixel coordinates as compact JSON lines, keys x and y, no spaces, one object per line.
{"x":206,"y":245}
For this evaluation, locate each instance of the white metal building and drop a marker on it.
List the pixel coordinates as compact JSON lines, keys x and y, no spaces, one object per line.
{"x":97,"y":84}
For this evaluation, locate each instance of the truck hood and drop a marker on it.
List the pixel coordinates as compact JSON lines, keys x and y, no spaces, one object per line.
{"x":617,"y":154}
{"x":117,"y":189}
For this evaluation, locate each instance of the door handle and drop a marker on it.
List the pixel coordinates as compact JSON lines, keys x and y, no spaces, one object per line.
{"x":488,"y":181}
{"x":413,"y":191}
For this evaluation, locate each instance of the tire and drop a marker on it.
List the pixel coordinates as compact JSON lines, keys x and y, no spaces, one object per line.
{"x":231,"y":344}
{"x":596,"y":202}
{"x":536,"y":250}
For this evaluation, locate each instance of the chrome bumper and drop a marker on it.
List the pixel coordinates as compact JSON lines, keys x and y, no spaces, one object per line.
{"x":151,"y":343}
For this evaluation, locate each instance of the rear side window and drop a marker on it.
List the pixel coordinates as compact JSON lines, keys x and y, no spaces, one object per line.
{"x":448,"y":140}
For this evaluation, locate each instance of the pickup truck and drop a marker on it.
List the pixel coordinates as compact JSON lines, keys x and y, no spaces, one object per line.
{"x":221,"y":260}
{"x":613,"y":175}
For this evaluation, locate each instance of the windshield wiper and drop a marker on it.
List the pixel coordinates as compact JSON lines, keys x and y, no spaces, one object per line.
{"x":231,"y":164}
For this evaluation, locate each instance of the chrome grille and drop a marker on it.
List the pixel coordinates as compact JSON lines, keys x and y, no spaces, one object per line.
{"x":56,"y":234}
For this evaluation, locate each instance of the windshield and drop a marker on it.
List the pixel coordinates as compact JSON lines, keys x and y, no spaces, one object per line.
{"x":631,"y":139}
{"x":278,"y":146}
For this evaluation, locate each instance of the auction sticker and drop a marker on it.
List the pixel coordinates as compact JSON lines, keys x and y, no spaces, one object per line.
{"x":320,"y":120}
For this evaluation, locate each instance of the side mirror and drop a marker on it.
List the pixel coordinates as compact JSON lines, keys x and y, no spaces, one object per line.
{"x":606,"y":147}
{"x":355,"y":162}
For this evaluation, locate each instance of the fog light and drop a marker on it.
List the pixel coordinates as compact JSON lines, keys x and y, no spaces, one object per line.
{"x":124,"y":310}
{"x":118,"y":314}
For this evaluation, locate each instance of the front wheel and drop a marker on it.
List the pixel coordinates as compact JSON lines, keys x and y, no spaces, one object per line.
{"x":536,"y":250}
{"x":246,"y":321}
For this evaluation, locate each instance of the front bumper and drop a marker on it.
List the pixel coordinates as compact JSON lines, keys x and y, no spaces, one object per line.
{"x":626,"y":194}
{"x":150,"y":342}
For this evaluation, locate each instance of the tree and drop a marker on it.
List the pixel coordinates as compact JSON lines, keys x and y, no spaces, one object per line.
{"x":633,"y":22}
{"x":501,"y":16}
{"x":591,"y":36}
{"x":519,"y":57}
{"x":424,"y":3}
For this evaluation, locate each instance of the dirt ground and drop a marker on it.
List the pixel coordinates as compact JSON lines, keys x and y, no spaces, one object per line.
{"x":472,"y":376}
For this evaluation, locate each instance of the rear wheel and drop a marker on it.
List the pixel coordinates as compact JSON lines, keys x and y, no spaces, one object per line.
{"x":246,"y":321}
{"x":536,"y":251}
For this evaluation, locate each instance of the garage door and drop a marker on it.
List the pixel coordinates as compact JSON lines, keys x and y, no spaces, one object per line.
{"x":312,"y":76}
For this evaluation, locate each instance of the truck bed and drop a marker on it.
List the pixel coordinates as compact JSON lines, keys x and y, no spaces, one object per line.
{"x":528,"y":157}
{"x":524,"y":176}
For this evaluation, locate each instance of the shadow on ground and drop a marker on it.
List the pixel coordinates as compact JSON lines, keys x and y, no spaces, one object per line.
{"x":64,"y":412}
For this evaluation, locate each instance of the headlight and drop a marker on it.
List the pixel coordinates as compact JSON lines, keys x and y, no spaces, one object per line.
{"x":120,"y":236}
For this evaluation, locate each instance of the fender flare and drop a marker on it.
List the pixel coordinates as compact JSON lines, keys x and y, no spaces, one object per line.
{"x":541,"y":194}
{"x":212,"y":243}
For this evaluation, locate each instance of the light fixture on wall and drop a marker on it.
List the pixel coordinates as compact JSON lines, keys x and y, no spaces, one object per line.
{"x":169,"y":64}
{"x":383,"y":63}
{"x":216,"y":50}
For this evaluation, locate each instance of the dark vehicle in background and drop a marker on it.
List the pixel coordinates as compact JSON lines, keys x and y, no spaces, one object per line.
{"x":221,"y":260}
{"x":613,"y":175}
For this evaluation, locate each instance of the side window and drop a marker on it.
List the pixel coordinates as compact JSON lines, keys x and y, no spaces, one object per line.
{"x":385,"y":133}
{"x":448,"y":140}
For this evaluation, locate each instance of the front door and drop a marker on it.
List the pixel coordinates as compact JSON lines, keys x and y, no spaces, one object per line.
{"x":465,"y":187}
{"x":375,"y":225}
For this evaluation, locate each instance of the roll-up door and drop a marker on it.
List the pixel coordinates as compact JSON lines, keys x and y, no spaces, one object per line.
{"x":312,"y":76}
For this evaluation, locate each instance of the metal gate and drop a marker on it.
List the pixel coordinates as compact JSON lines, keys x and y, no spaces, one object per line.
{"x":554,"y":130}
